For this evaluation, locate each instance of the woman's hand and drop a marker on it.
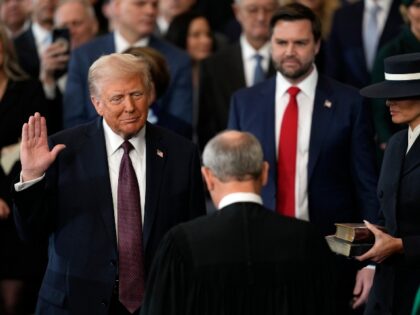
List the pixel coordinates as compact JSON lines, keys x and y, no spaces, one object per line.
{"x":385,"y":246}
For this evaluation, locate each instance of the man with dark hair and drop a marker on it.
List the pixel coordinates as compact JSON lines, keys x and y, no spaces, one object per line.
{"x":317,"y":137}
{"x":243,"y":259}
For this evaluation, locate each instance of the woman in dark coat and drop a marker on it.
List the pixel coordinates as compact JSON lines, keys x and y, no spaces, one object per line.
{"x":21,"y":264}
{"x":397,"y":254}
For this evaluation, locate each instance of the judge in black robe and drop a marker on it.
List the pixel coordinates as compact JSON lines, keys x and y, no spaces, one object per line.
{"x":243,"y":259}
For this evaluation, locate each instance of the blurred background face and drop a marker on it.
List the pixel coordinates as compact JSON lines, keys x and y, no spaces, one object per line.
{"x":14,"y":13}
{"x":43,"y":11}
{"x":254,"y":17}
{"x":199,"y":40}
{"x":74,"y":16}
{"x":171,"y":8}
{"x":413,"y":15}
{"x":135,"y":19}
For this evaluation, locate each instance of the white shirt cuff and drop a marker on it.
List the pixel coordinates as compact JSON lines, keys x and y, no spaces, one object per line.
{"x":24,"y":185}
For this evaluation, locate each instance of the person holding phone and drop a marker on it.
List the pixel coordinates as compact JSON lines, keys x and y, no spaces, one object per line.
{"x":76,"y":24}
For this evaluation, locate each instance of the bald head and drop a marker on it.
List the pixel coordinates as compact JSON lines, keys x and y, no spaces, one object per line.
{"x":234,"y":155}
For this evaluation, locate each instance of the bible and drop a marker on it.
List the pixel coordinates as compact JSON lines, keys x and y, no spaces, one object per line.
{"x":346,"y":248}
{"x":355,"y":232}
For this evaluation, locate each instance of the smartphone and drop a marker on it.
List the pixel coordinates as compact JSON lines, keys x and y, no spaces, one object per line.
{"x":61,"y":35}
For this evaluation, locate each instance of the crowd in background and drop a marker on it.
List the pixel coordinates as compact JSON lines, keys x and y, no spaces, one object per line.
{"x":201,"y":53}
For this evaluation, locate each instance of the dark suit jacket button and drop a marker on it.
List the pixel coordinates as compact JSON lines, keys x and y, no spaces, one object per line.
{"x":104,"y":303}
{"x":381,"y":194}
{"x":112,"y":263}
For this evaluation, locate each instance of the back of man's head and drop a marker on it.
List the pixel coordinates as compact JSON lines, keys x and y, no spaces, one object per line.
{"x":234,"y":156}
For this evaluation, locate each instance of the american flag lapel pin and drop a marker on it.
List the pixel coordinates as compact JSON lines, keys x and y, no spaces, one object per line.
{"x":159,"y":153}
{"x":327,"y":104}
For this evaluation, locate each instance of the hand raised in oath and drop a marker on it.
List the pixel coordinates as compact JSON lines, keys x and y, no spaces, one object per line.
{"x":35,"y":155}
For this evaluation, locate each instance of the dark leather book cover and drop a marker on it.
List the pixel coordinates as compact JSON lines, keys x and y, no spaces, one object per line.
{"x":355,"y":232}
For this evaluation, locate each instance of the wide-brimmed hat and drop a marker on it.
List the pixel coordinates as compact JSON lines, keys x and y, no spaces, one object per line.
{"x":402,"y":78}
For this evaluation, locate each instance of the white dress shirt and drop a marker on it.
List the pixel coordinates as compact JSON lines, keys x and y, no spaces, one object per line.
{"x":412,"y":136}
{"x":305,"y":100}
{"x":114,"y":154}
{"x":121,"y":44}
{"x":248,"y":53}
{"x":239,"y":197}
{"x":43,"y":38}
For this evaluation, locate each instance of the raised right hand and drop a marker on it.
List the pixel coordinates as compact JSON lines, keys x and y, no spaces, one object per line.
{"x":35,"y":155}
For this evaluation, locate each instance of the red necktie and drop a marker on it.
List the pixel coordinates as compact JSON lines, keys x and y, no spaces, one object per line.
{"x":286,"y":165}
{"x":130,"y":249}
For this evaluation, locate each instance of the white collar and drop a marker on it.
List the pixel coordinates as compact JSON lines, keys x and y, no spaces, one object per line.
{"x":248,"y":52}
{"x":412,"y":136}
{"x":307,"y":86}
{"x":42,"y":35}
{"x":385,"y":5}
{"x":114,"y":141}
{"x":162,"y":24}
{"x":239,"y":197}
{"x":121,"y":44}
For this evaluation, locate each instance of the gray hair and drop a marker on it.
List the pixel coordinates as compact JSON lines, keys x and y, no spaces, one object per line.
{"x":118,"y":67}
{"x":234,"y":155}
{"x":89,"y":10}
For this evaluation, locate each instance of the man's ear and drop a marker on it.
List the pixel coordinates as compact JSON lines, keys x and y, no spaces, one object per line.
{"x":264,"y":173}
{"x":97,"y":104}
{"x":208,"y":177}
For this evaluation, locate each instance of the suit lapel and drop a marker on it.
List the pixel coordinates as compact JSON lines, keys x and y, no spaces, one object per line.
{"x":155,"y":162}
{"x":393,"y":163}
{"x":412,"y":160}
{"x":95,"y":167}
{"x":321,"y":121}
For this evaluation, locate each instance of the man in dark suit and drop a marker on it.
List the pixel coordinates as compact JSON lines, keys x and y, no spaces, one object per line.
{"x":134,"y":25}
{"x":330,"y":175}
{"x":32,"y":42}
{"x":347,"y":54}
{"x":243,"y":259}
{"x":234,"y":67}
{"x":80,"y":198}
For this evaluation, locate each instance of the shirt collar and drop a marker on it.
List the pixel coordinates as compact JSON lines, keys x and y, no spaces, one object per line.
{"x":413,"y":134}
{"x":121,"y":44}
{"x":239,"y":197}
{"x":114,"y":141}
{"x":42,"y":35}
{"x":383,"y":4}
{"x":248,"y":52}
{"x":307,"y":86}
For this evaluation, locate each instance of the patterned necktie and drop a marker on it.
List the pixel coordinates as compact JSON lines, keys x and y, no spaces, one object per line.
{"x":371,"y":35}
{"x":286,"y":165}
{"x":259,"y":74}
{"x":130,"y":249}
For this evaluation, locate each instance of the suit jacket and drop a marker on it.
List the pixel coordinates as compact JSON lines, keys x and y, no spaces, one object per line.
{"x":174,"y":109}
{"x":27,"y":53}
{"x":341,"y":167}
{"x":221,"y":75}
{"x":73,"y":207}
{"x":345,"y":55}
{"x":398,"y":277}
{"x":242,"y":259}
